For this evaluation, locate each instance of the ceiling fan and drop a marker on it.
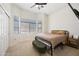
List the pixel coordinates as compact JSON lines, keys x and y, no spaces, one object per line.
{"x":76,"y":12}
{"x":39,"y":5}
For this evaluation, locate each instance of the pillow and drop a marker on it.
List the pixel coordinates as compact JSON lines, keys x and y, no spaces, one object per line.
{"x":58,"y":32}
{"x":61,"y":32}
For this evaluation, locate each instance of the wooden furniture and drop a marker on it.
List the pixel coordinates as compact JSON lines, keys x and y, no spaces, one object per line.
{"x":73,"y":42}
{"x":62,"y":32}
{"x":55,"y":39}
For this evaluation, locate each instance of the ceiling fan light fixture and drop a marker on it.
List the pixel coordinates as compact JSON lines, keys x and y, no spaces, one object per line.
{"x":39,"y":5}
{"x":36,"y":6}
{"x":42,"y":6}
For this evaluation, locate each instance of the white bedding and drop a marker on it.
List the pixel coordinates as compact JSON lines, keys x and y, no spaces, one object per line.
{"x":55,"y":39}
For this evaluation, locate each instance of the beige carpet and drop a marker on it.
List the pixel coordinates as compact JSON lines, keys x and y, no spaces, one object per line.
{"x":26,"y":49}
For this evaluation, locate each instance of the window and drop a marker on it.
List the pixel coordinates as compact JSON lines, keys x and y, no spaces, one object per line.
{"x":32,"y":26}
{"x":26,"y":25}
{"x":39,"y":26}
{"x":16,"y":24}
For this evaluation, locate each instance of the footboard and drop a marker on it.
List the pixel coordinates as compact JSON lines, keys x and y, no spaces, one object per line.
{"x":47,"y":43}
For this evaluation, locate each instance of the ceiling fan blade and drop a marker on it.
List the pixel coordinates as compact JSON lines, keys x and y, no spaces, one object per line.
{"x":33,"y":6}
{"x":39,"y":8}
{"x":76,"y":11}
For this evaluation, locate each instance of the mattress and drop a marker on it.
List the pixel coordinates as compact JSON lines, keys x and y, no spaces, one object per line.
{"x":55,"y":39}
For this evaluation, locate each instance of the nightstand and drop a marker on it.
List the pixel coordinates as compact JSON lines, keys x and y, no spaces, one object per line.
{"x":73,"y":42}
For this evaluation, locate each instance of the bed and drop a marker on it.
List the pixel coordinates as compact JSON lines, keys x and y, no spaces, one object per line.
{"x":55,"y":39}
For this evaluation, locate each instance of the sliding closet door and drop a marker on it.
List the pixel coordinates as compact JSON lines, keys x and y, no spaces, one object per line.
{"x":3,"y":32}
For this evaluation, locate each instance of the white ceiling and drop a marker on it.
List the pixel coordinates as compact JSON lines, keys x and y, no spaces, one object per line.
{"x":48,"y":9}
{"x":75,"y":5}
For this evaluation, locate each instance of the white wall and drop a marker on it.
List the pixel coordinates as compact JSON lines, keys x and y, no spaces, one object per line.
{"x":4,"y":29}
{"x":44,"y":19}
{"x":64,"y":19}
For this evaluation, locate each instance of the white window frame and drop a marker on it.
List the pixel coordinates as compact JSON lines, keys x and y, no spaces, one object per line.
{"x":36,"y":28}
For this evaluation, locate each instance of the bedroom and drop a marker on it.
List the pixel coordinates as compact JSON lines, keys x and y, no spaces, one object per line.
{"x":23,"y":23}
